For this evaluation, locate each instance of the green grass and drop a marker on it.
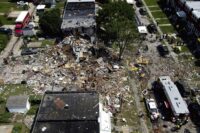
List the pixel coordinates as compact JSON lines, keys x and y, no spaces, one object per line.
{"x":7,"y":21}
{"x":35,"y":103}
{"x":129,"y":112}
{"x":20,"y":128}
{"x":5,"y":117}
{"x":15,"y":89}
{"x":60,"y":4}
{"x":3,"y":41}
{"x":163,"y":21}
{"x":151,"y":2}
{"x":167,"y":29}
{"x":158,"y":14}
{"x":7,"y":7}
{"x":154,"y":8}
{"x":48,"y":42}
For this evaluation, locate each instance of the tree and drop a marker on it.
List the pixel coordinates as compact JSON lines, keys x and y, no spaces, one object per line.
{"x":116,"y":24}
{"x":1,"y":23}
{"x":50,"y":22}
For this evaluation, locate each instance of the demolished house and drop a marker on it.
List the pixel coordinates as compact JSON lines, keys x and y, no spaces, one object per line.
{"x":79,"y":18}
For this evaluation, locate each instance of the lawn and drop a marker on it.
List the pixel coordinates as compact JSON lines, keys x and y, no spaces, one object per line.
{"x":151,"y":2}
{"x":48,"y":42}
{"x":60,"y":4}
{"x":3,"y":41}
{"x":167,"y":29}
{"x":163,"y":21}
{"x":8,"y":6}
{"x":4,"y":20}
{"x":158,"y":14}
{"x":20,"y":128}
{"x":154,"y":8}
{"x":17,"y":89}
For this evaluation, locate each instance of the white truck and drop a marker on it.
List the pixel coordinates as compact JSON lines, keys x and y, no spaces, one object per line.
{"x":152,"y":108}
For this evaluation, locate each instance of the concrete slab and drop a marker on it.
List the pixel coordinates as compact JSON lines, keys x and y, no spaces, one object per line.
{"x":34,"y":44}
{"x":6,"y":128}
{"x":13,"y":14}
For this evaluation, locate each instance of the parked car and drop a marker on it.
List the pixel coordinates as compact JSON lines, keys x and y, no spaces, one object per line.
{"x":139,"y":3}
{"x":183,"y":88}
{"x":6,"y":31}
{"x":29,"y":51}
{"x":152,"y":108}
{"x":22,"y":3}
{"x":194,"y":109}
{"x":151,"y":28}
{"x":142,"y":11}
{"x":163,"y":50}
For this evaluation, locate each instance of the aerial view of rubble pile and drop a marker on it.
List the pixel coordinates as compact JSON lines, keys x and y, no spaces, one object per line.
{"x":60,"y":69}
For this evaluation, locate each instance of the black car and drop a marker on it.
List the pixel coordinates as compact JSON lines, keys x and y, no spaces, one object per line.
{"x":29,"y":51}
{"x":163,"y":50}
{"x":142,"y":11}
{"x":183,"y":88}
{"x":139,"y":3}
{"x":194,"y":109}
{"x":151,"y":28}
{"x":6,"y":31}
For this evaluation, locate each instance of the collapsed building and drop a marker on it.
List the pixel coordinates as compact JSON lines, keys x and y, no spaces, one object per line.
{"x":79,"y":18}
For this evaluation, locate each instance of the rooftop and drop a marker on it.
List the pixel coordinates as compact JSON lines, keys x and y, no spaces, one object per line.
{"x":130,"y":1}
{"x":69,"y":112}
{"x":79,"y":15}
{"x":177,"y":103}
{"x":17,"y":101}
{"x":40,"y":7}
{"x":21,"y":16}
{"x":195,"y":5}
{"x":80,"y":1}
{"x":152,"y":105}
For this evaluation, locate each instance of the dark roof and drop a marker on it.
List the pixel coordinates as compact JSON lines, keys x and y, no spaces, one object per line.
{"x":17,"y":101}
{"x":67,"y":127}
{"x":79,"y":15}
{"x":73,"y":112}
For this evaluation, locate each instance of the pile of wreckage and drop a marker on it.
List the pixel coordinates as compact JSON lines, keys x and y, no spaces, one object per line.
{"x":69,"y":66}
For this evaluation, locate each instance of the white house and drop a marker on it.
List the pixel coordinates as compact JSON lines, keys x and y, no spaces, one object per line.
{"x":18,"y":104}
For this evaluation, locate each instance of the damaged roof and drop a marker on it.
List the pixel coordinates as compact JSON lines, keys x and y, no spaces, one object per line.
{"x":79,"y":15}
{"x":68,"y":112}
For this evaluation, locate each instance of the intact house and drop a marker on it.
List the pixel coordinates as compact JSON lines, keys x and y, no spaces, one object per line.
{"x":79,"y":18}
{"x":71,"y":112}
{"x":18,"y":104}
{"x":187,"y":13}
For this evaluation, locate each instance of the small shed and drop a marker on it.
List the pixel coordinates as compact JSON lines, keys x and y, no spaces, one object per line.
{"x":18,"y":104}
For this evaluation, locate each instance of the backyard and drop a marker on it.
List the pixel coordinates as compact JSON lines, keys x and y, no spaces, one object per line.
{"x":17,"y":119}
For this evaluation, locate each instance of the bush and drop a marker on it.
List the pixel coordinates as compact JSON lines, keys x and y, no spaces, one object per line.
{"x":5,"y":117}
{"x":17,"y":128}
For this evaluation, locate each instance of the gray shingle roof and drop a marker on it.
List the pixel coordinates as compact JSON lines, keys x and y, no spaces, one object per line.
{"x":17,"y":101}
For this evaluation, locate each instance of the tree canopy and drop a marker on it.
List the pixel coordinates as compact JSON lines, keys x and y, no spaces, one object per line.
{"x":50,"y":22}
{"x":116,"y":24}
